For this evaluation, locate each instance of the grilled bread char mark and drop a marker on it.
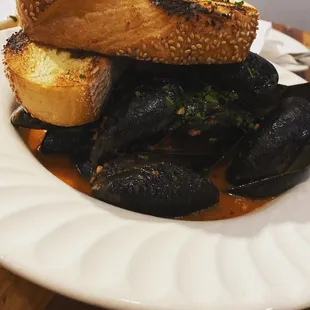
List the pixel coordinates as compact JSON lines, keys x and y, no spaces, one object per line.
{"x":165,"y":31}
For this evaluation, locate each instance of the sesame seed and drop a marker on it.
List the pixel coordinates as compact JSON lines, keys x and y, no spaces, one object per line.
{"x":121,"y":52}
{"x":144,"y":46}
{"x":166,"y":45}
{"x":156,"y":46}
{"x":172,"y":48}
{"x":240,"y":40}
{"x":180,"y":39}
{"x":37,"y":3}
{"x":171,"y":42}
{"x":207,"y":48}
{"x":172,"y":54}
{"x":145,"y":55}
{"x":176,"y":59}
{"x":178,"y":45}
{"x":197,"y":36}
{"x":206,"y":40}
{"x":155,"y":59}
{"x":192,"y":36}
{"x":189,"y":40}
{"x":236,"y":47}
{"x":138,"y":51}
{"x":31,"y":7}
{"x":34,"y":18}
{"x":239,"y":23}
{"x":215,"y":42}
{"x":187,"y":51}
{"x":129,"y":50}
{"x":32,"y":14}
{"x":177,"y":31}
{"x":193,"y":47}
{"x":199,"y":46}
{"x":239,"y":59}
{"x":223,"y":42}
{"x":37,"y":9}
{"x":212,"y":46}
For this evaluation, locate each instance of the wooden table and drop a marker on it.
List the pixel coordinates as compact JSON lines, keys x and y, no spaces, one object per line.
{"x":19,"y":294}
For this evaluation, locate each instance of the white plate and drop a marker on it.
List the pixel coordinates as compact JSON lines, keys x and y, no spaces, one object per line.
{"x":96,"y":253}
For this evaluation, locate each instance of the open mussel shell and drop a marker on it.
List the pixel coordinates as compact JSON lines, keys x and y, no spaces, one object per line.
{"x":271,"y":187}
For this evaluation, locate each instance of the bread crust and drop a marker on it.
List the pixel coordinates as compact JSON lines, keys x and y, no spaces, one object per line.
{"x":166,"y":31}
{"x":58,"y":87}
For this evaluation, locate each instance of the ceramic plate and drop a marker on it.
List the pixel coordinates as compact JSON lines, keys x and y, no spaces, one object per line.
{"x":97,"y":253}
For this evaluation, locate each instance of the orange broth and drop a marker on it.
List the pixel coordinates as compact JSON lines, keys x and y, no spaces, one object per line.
{"x":59,"y":165}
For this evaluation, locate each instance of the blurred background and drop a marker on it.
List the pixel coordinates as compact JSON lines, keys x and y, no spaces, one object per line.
{"x":294,"y":13}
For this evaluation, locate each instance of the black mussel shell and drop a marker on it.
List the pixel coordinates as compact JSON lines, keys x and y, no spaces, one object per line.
{"x":299,"y":90}
{"x":67,"y":141}
{"x":272,"y":148}
{"x":159,"y":189}
{"x":272,"y":186}
{"x":150,"y":110}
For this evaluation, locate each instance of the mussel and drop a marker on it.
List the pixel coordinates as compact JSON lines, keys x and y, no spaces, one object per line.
{"x":254,"y":79}
{"x":151,"y":108}
{"x":264,"y":165}
{"x":154,"y":188}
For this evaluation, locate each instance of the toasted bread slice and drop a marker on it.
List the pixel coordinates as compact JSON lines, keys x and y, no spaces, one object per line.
{"x":179,"y":32}
{"x":59,"y":87}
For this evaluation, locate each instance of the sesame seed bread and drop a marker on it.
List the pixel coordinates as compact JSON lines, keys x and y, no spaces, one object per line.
{"x":165,"y":31}
{"x":57,"y":86}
